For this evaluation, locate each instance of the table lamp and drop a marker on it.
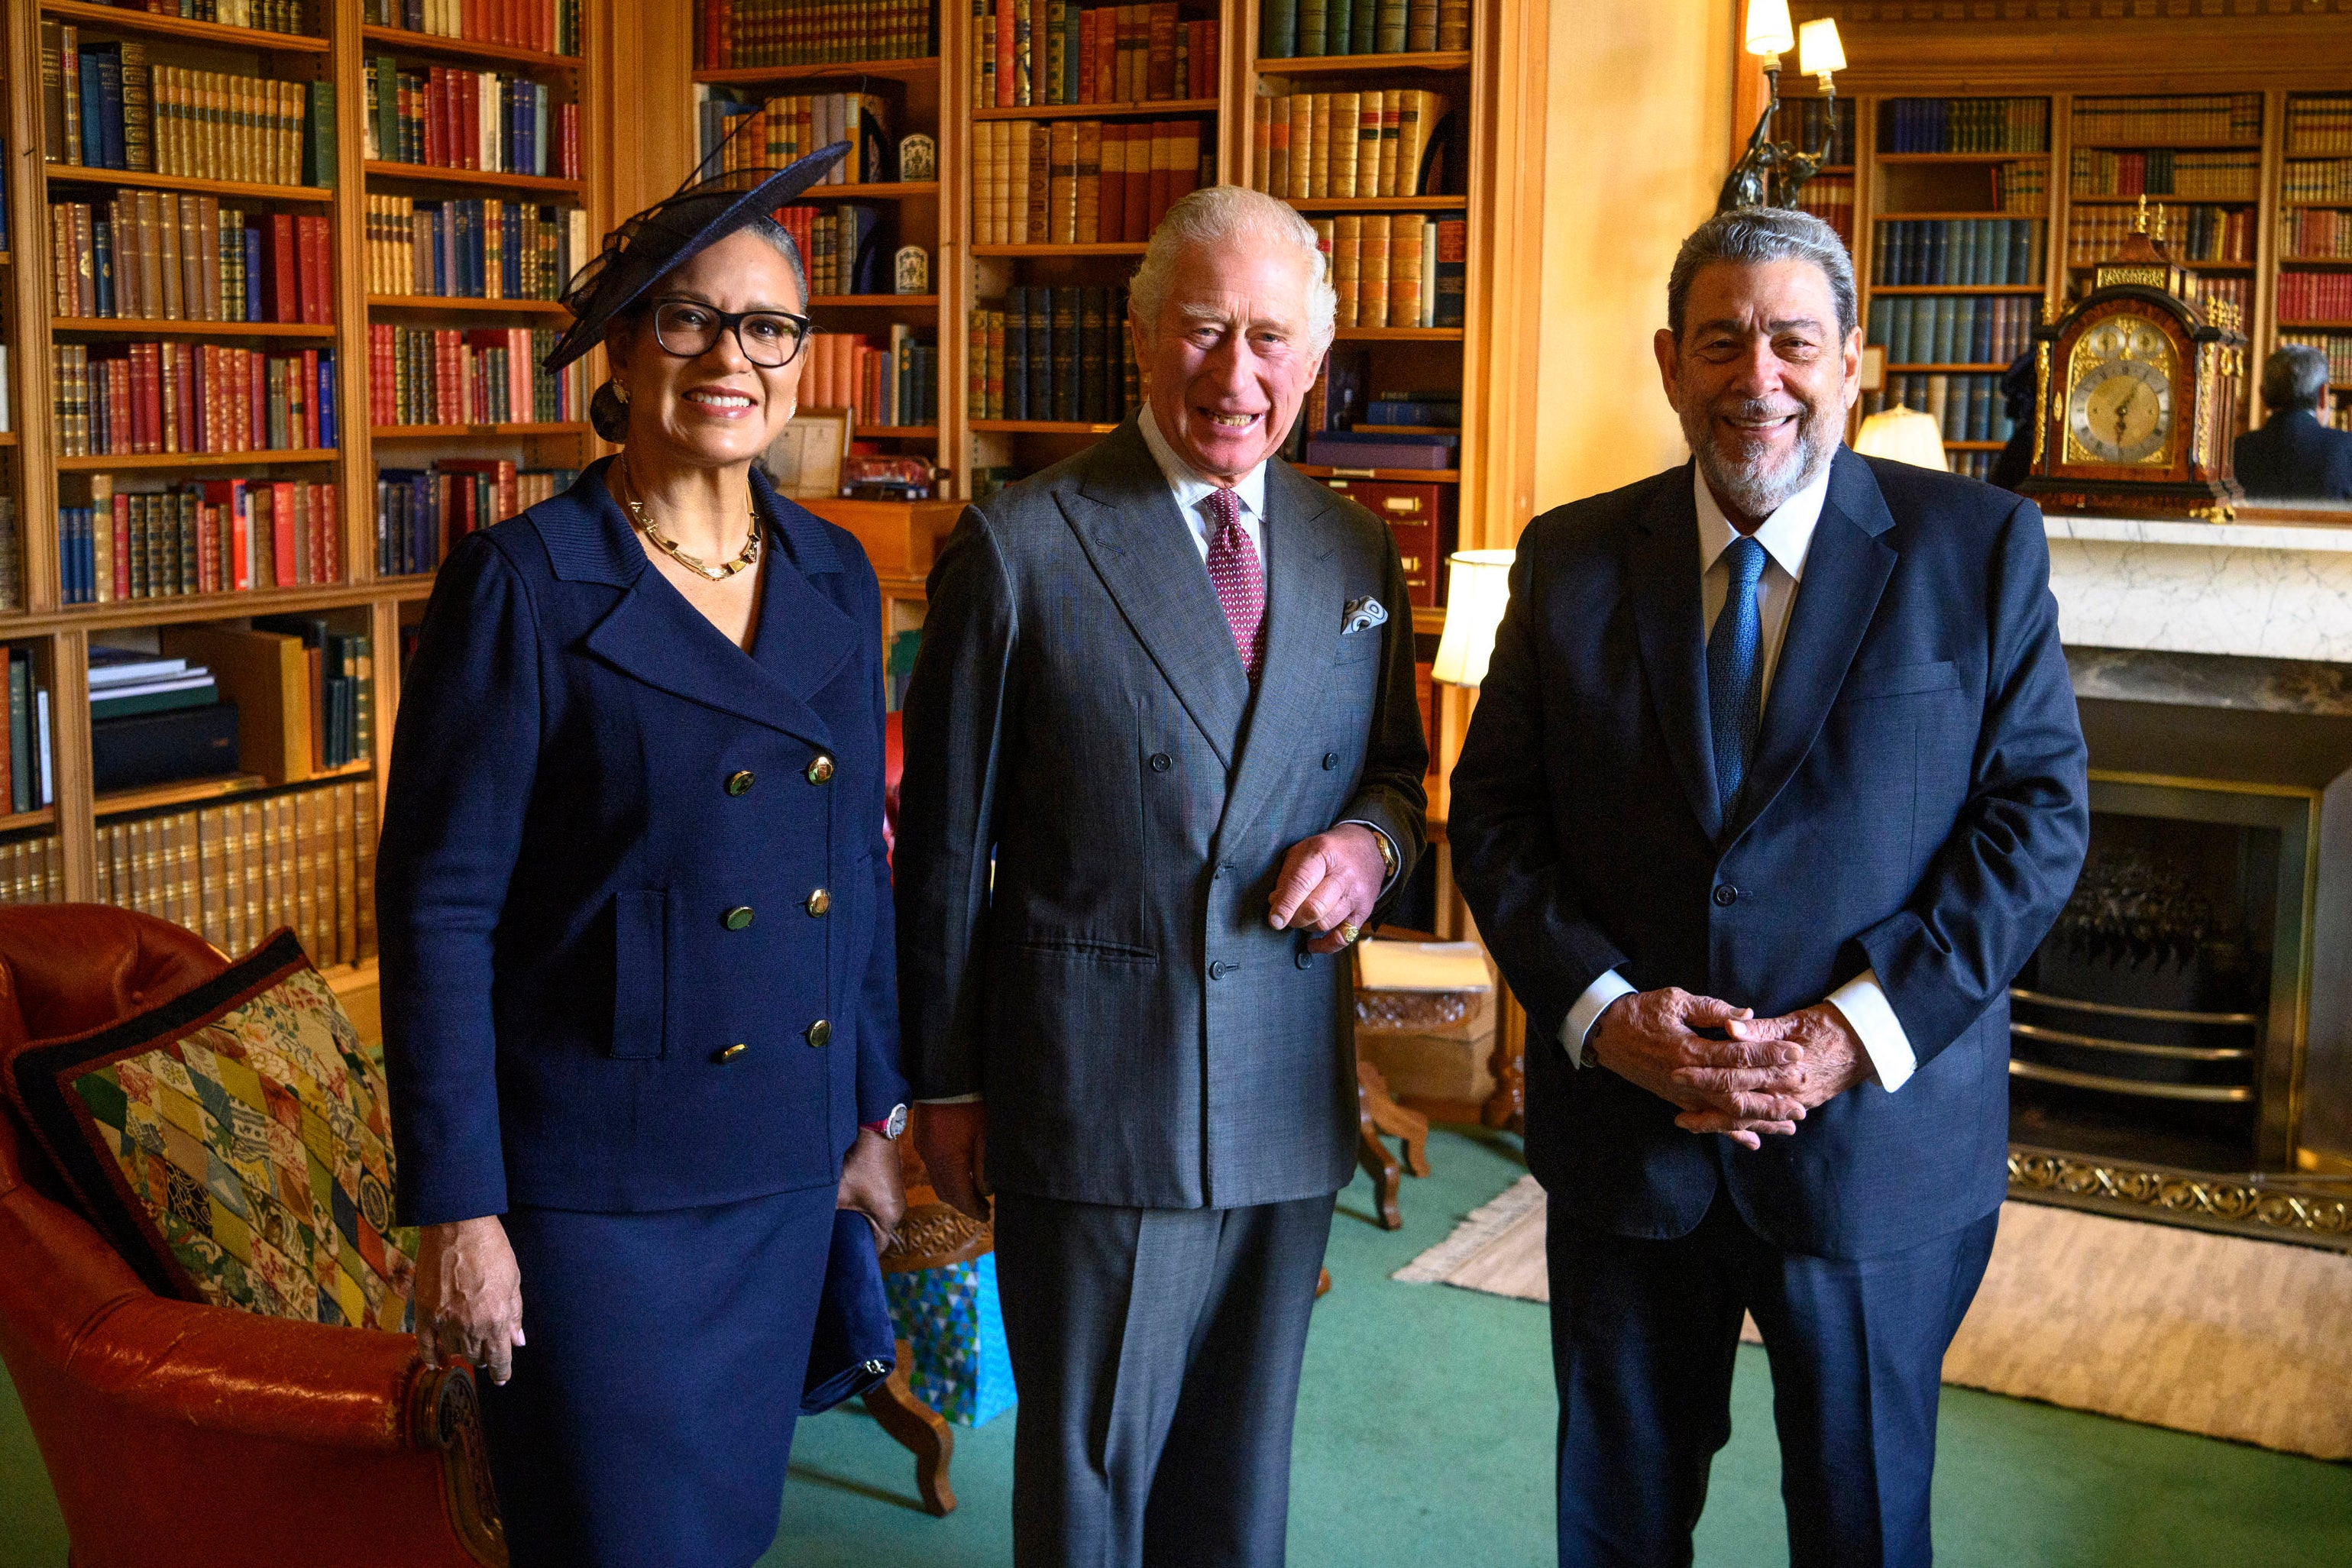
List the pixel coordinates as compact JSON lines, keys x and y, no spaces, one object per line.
{"x":1905,"y":435}
{"x":1770,"y":173}
{"x":1477,"y":586}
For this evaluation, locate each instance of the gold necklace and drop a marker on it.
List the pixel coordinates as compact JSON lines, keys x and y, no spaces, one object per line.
{"x":694,"y":564}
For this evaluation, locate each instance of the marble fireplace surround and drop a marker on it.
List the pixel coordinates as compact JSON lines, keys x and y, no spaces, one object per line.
{"x":2224,"y":652}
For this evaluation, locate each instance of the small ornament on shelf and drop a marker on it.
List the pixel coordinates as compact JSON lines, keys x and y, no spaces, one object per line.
{"x":918,"y":158}
{"x":914,"y":270}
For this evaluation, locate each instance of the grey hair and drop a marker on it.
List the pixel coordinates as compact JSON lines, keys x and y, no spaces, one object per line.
{"x":1217,"y":216}
{"x":2293,"y":378}
{"x":1748,"y":235}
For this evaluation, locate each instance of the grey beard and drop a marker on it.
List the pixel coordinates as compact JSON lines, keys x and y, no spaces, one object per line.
{"x":1744,"y":487}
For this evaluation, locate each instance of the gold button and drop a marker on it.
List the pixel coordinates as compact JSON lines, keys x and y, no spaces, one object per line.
{"x":819,"y":901}
{"x":819,"y":1032}
{"x":731,"y":1053}
{"x":737,"y":918}
{"x":821,"y":770}
{"x":739,"y":781}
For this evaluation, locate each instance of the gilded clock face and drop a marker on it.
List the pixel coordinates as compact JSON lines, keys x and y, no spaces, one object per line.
{"x":2119,"y":402}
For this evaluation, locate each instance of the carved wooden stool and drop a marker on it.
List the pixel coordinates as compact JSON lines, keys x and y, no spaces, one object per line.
{"x":1377,"y":1113}
{"x":933,"y":1235}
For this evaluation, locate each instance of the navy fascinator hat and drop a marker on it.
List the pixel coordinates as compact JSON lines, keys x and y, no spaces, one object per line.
{"x":701,"y":213}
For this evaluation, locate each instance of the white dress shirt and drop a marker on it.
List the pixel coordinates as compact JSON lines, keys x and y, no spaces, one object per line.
{"x":1787,"y":537}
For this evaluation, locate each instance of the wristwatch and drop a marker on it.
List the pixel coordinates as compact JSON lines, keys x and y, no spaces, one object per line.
{"x":891,"y":1125}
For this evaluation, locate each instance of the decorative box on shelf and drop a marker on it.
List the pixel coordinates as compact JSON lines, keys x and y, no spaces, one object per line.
{"x":901,"y":538}
{"x":1425,"y":1018}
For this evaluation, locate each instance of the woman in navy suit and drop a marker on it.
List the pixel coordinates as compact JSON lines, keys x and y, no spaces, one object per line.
{"x":638,"y":989}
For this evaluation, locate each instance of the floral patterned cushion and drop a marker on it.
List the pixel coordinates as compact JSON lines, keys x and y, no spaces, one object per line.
{"x":232,"y":1144}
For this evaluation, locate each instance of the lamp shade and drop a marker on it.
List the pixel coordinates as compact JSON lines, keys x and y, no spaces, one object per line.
{"x":1477,"y":586}
{"x":1819,"y":52}
{"x":1905,"y":435}
{"x":1768,"y":30}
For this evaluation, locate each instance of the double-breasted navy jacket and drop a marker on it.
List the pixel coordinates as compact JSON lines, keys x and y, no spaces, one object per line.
{"x":631,"y":899}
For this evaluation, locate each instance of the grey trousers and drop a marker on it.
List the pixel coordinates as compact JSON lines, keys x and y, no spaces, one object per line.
{"x":1157,"y":1353}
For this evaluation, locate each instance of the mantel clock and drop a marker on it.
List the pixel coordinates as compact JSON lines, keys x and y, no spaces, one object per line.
{"x":2136,"y":392}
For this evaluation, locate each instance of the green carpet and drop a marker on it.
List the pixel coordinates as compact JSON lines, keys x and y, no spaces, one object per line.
{"x":1425,"y":1434}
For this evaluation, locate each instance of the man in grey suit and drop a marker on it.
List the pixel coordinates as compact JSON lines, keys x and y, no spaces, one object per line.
{"x":1163,"y":763}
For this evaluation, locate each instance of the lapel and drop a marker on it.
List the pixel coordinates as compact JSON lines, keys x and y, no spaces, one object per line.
{"x":1663,"y":571}
{"x":1845,"y":572}
{"x":1304,"y":597}
{"x":1126,"y":520}
{"x":652,"y":634}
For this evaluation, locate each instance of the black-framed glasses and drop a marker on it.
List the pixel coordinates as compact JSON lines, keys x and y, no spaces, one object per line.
{"x":688,"y":329}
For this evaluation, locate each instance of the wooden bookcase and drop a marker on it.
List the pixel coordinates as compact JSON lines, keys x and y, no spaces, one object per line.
{"x":2079,"y":58}
{"x":335,"y":48}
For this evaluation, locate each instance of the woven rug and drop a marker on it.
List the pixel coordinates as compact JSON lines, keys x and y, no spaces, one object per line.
{"x":2220,"y":1336}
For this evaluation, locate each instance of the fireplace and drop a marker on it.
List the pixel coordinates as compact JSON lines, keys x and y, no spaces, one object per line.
{"x":2182,"y":1044}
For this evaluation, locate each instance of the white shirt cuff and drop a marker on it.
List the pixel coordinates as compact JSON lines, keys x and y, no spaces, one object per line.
{"x":1588,"y":1011}
{"x":1872,"y":1018}
{"x":951,"y":1100}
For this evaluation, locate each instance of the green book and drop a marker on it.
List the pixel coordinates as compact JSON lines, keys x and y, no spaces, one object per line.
{"x":1278,"y":29}
{"x":318,"y":137}
{"x":1313,"y":25}
{"x":1338,"y":19}
{"x":1362,"y":25}
{"x":1388,"y":27}
{"x":154,"y":702}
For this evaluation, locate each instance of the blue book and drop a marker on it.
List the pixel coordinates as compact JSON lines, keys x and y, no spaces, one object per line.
{"x":329,"y":434}
{"x":93,"y":139}
{"x":1980,"y":317}
{"x":1016,"y":353}
{"x":1041,"y":353}
{"x":109,"y":57}
{"x":1394,"y":411}
{"x":1882,"y":316}
{"x":101,"y":265}
{"x":253,"y":310}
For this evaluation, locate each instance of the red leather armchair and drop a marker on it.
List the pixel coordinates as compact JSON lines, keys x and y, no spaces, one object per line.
{"x":196,"y":1434}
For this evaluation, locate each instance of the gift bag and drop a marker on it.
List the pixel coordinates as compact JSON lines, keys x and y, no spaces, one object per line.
{"x":961,"y":1368}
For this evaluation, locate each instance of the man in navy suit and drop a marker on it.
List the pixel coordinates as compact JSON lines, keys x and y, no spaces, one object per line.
{"x":2293,"y":457}
{"x":1775,"y":782}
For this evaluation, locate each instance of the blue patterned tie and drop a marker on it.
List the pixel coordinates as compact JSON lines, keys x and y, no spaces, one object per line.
{"x":1735,"y":673}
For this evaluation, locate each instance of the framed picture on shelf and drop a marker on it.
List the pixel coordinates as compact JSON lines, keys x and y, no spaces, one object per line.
{"x":805,"y":460}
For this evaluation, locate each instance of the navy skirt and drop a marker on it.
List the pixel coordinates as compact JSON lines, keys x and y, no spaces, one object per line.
{"x":650,"y":1413}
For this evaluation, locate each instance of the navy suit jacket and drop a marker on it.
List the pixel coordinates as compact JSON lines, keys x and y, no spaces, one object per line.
{"x":561,"y":847}
{"x":1917,"y":806}
{"x":2293,"y":457}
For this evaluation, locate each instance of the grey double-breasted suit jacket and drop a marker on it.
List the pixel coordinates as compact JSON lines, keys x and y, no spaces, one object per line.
{"x":1092,"y":815}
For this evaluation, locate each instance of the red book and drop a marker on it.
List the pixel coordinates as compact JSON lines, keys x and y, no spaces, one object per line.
{"x":255,"y":372}
{"x":226,"y":497}
{"x":1004,"y":54}
{"x":1160,"y":45}
{"x":1137,"y":197}
{"x":1106,"y":55}
{"x":469,"y":122}
{"x":330,"y":559}
{"x":191,"y":418}
{"x":317,"y":273}
{"x":1184,"y":165}
{"x":147,"y":391}
{"x":285,"y":293}
{"x":310,"y":398}
{"x":1089,"y":22}
{"x":208,"y":561}
{"x":282,"y":532}
{"x":120,"y":567}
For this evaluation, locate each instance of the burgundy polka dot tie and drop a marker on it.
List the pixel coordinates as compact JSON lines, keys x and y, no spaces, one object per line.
{"x":1240,"y":580}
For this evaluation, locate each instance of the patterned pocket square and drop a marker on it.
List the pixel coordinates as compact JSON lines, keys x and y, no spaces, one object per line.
{"x":1361,"y":615}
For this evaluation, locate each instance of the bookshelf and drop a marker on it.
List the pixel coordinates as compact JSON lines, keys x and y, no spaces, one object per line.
{"x":2238,"y":128}
{"x":166,"y":849}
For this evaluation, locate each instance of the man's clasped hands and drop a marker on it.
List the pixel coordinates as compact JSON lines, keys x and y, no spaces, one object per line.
{"x":1763,"y":1077}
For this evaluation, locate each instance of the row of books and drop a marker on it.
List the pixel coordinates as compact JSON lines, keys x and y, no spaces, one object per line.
{"x":833,"y":372}
{"x":158,"y":255}
{"x":845,"y":249}
{"x":445,"y":117}
{"x":303,"y":687}
{"x":1291,"y":29}
{"x":27,"y":762}
{"x":2215,"y":176}
{"x":1401,"y":269}
{"x":2191,"y":233}
{"x":1952,"y":330}
{"x":732,"y":34}
{"x":1964,"y":125}
{"x":2021,"y":187}
{"x":769,"y":133}
{"x":2336,"y":346}
{"x":145,"y":398}
{"x":2317,"y":234}
{"x":32,"y":871}
{"x":1313,"y":146}
{"x":107,"y":106}
{"x":266,"y":16}
{"x":1977,"y":465}
{"x":216,"y":536}
{"x":421,"y":512}
{"x":472,"y":249}
{"x":1032,"y":183}
{"x":235,"y":873}
{"x":1803,"y":122}
{"x":2318,"y":182}
{"x":1957,"y":252}
{"x":2318,"y":125}
{"x":1053,"y":354}
{"x":2205,"y":117}
{"x":552,"y":27}
{"x":2314,"y":296}
{"x":1964,"y":407}
{"x":1031,"y":52}
{"x":1830,"y":197}
{"x":894,"y":383}
{"x":2237,"y":292}
{"x":478,"y":375}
